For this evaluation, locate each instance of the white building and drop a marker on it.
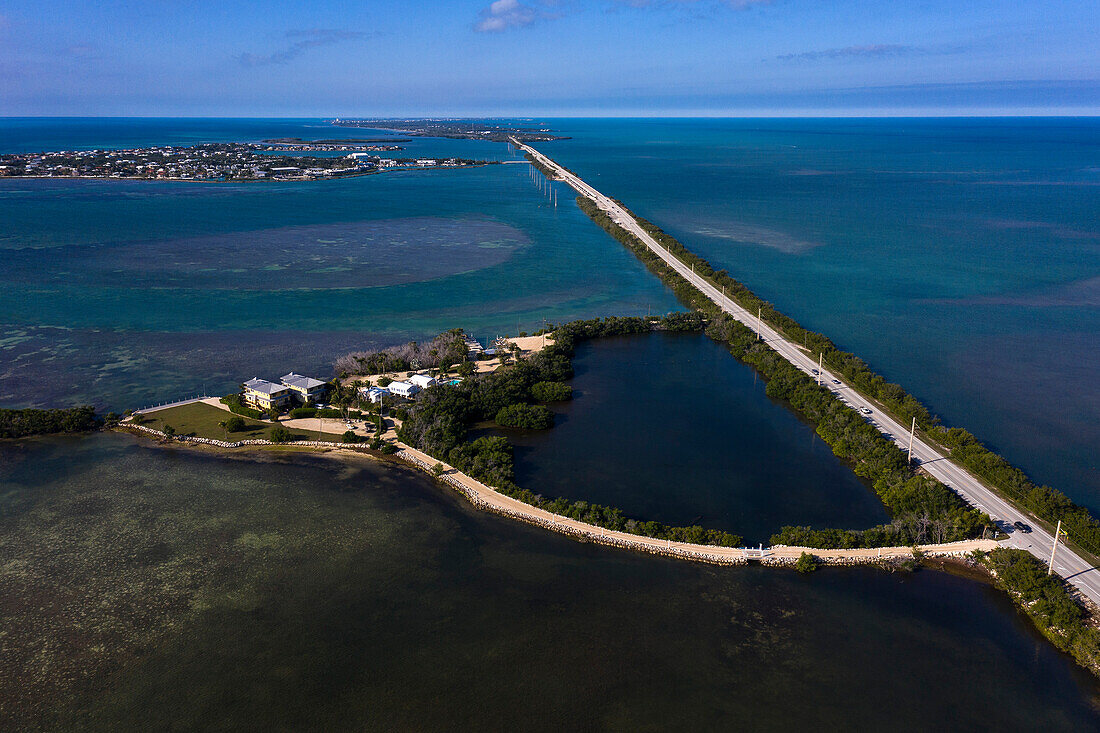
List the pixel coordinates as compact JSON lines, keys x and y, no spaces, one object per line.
{"x":423,"y":381}
{"x":373,"y":394}
{"x":403,"y":389}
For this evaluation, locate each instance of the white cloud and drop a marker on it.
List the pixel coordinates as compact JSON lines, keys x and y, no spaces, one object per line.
{"x":504,"y":14}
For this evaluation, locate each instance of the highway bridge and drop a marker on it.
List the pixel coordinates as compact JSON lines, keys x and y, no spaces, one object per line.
{"x":973,"y":490}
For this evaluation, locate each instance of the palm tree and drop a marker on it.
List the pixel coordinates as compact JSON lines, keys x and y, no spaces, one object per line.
{"x":225,"y":430}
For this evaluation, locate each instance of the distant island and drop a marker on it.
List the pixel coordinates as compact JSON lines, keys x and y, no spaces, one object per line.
{"x":458,"y":129}
{"x":297,"y":143}
{"x":218,"y":162}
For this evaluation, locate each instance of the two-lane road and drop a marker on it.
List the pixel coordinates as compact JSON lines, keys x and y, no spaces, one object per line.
{"x":1039,"y":542}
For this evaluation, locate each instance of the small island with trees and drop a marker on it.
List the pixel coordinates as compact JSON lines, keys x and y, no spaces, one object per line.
{"x":458,"y":129}
{"x":219,"y":162}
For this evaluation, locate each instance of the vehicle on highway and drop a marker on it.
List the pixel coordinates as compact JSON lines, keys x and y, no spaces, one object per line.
{"x":836,"y":381}
{"x":814,"y":371}
{"x":865,"y":410}
{"x":1022,"y":527}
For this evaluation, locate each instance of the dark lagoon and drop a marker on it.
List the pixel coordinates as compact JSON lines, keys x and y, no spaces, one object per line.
{"x":144,"y":588}
{"x":671,"y":427}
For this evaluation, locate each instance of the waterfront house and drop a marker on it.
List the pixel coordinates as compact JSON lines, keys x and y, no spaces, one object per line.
{"x":264,"y":395}
{"x":304,"y":389}
{"x":373,"y":394}
{"x":423,"y":381}
{"x":403,"y":389}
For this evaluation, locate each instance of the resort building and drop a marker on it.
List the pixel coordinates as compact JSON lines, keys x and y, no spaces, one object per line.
{"x":373,"y":394}
{"x":403,"y":389}
{"x":423,"y":381}
{"x":304,"y":389}
{"x":264,"y":395}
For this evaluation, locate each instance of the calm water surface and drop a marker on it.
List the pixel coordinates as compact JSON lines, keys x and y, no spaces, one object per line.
{"x":312,"y":594}
{"x":671,"y":427}
{"x":960,"y":257}
{"x":162,"y":589}
{"x":128,"y":293}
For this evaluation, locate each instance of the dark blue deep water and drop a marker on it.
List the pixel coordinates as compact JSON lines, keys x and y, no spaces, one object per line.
{"x":669,"y":427}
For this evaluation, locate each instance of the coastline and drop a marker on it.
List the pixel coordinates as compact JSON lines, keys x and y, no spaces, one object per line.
{"x":487,"y":499}
{"x":357,"y":174}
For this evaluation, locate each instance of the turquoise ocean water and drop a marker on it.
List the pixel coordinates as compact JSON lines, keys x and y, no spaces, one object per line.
{"x":126,"y":293}
{"x":959,"y":258}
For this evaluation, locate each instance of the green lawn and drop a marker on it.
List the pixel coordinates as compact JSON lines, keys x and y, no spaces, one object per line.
{"x":201,"y":421}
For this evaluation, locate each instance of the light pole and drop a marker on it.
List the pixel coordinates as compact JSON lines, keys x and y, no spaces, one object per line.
{"x":1057,"y":532}
{"x":912,"y":430}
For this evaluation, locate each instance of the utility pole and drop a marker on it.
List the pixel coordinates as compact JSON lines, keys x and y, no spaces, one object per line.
{"x":1057,"y":532}
{"x":820,"y":356}
{"x":912,"y":430}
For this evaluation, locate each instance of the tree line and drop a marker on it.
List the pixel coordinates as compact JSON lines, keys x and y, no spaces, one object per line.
{"x":1045,"y":502}
{"x":30,"y":421}
{"x":442,"y":351}
{"x":440,"y":420}
{"x":1047,"y":600}
{"x":922,"y":509}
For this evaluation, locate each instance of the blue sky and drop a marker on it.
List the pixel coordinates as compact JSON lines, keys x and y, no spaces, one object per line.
{"x":549,"y":57}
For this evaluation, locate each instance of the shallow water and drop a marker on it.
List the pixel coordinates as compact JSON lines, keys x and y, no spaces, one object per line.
{"x":193,"y":591}
{"x":128,"y":293}
{"x":670,"y":427}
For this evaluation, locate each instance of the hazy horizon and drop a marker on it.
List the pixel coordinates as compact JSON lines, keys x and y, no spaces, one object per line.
{"x":560,"y":58}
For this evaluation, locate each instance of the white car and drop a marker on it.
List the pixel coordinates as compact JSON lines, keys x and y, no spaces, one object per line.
{"x":865,"y":410}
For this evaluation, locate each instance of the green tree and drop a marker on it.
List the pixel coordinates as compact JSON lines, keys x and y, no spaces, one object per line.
{"x":551,"y":392}
{"x":280,"y":434}
{"x":529,"y":417}
{"x":235,"y":424}
{"x":806,"y":563}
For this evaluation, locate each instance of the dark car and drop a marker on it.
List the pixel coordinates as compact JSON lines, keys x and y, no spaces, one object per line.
{"x":1022,"y":527}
